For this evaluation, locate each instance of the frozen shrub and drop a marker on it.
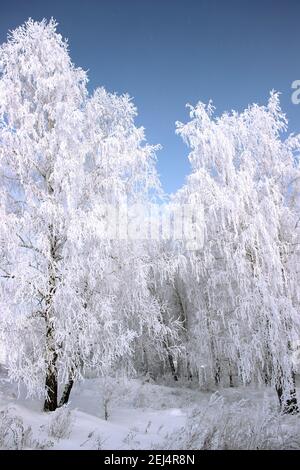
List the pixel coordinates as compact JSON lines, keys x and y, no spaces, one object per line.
{"x":114,"y":391}
{"x":16,"y":435}
{"x":95,"y":441}
{"x":239,"y":425}
{"x":60,"y":423}
{"x":99,"y":442}
{"x":130,"y":440}
{"x":109,"y":391}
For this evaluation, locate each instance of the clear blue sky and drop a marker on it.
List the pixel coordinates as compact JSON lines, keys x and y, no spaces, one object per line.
{"x":169,"y":52}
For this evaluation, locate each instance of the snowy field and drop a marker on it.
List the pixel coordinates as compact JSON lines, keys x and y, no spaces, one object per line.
{"x":143,"y":415}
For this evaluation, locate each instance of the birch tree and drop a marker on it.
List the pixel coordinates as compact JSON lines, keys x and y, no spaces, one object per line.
{"x":73,"y":296}
{"x":244,"y":174}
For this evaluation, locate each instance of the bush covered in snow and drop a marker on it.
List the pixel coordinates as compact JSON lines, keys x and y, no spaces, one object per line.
{"x":14,"y":434}
{"x":240,"y":425}
{"x":60,"y":423}
{"x":17,"y":435}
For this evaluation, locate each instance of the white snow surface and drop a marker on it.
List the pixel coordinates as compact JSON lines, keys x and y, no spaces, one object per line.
{"x":139,"y":417}
{"x":142,"y":415}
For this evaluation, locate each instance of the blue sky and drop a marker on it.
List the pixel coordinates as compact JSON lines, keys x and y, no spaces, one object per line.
{"x":169,"y":52}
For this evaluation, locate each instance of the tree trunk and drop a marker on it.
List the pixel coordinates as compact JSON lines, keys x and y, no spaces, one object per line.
{"x":230,"y":373}
{"x":289,"y":404}
{"x":66,"y":392}
{"x":189,"y":370}
{"x":51,"y":386}
{"x":217,"y":372}
{"x":106,"y":409}
{"x":172,"y":366}
{"x":50,"y":403}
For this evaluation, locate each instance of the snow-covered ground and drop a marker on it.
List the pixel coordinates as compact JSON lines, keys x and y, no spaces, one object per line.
{"x":143,"y":415}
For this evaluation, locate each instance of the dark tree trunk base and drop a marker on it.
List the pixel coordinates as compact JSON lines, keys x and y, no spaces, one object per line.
{"x":217,"y":376}
{"x":172,"y":367}
{"x":66,"y":393}
{"x":50,"y":403}
{"x":288,"y":405}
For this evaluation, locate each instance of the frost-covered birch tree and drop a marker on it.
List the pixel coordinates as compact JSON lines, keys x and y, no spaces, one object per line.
{"x":73,"y":297}
{"x":42,"y":98}
{"x":243,"y":287}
